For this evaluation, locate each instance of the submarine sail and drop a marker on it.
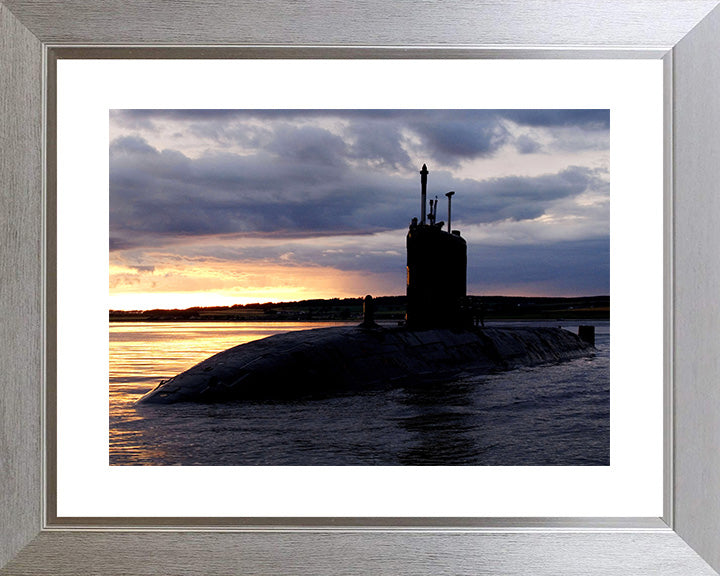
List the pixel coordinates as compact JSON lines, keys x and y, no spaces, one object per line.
{"x":436,"y":272}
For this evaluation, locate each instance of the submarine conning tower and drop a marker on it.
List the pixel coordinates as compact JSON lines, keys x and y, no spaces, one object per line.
{"x":436,"y":269}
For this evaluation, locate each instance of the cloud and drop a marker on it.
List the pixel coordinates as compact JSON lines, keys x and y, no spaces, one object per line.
{"x":337,"y":189}
{"x":553,"y":268}
{"x":598,"y":119}
{"x":387,"y":138}
{"x":453,"y":141}
{"x":526,"y":145}
{"x":515,"y":197}
{"x":308,"y":145}
{"x":305,"y":187}
{"x":590,"y":118}
{"x":379,"y":144}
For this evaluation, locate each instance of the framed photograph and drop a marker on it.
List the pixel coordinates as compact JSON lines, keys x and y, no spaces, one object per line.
{"x":570,"y":174}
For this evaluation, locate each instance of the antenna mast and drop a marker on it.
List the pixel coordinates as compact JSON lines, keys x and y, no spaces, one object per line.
{"x":449,"y":197}
{"x":423,"y":196}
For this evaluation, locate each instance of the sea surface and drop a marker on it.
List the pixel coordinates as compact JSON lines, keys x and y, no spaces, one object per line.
{"x":555,"y":414}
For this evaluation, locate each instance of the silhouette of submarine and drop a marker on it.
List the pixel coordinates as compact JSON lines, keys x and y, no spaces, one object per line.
{"x":439,"y":339}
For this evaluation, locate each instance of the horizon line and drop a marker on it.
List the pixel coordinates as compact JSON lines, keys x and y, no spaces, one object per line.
{"x":359,"y":298}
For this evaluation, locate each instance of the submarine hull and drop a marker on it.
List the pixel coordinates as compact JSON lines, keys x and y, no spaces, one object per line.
{"x":346,"y":359}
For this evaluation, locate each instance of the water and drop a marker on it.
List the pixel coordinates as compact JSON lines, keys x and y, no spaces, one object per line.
{"x":546,"y":415}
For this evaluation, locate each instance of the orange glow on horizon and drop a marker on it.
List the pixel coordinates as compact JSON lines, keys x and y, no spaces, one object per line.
{"x":223,"y":284}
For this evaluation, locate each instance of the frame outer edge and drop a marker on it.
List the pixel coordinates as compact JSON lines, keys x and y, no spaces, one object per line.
{"x":20,"y":302}
{"x":696,"y":111}
{"x":20,"y":284}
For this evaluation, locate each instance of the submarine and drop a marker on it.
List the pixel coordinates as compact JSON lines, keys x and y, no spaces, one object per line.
{"x":440,"y":338}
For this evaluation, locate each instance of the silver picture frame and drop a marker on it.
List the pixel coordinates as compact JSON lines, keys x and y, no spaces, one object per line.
{"x":684,"y":34}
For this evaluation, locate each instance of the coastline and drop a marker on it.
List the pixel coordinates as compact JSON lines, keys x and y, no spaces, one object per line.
{"x":388,"y":309}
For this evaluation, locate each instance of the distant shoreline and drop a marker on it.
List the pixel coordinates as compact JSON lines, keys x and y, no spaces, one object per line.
{"x":387,"y":308}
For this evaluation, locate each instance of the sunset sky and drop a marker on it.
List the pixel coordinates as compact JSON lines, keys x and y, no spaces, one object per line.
{"x":222,"y":207}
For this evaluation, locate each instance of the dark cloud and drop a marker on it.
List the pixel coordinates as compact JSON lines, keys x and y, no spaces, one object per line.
{"x":136,"y":115}
{"x":301,"y":189}
{"x":454,"y":141}
{"x":526,"y":145}
{"x":378,"y":144}
{"x":308,"y":145}
{"x":512,"y":197}
{"x":242,"y":115}
{"x":117,"y":244}
{"x":377,"y":137}
{"x":587,"y":119}
{"x":570,"y":267}
{"x":131,"y":145}
{"x":590,"y":118}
